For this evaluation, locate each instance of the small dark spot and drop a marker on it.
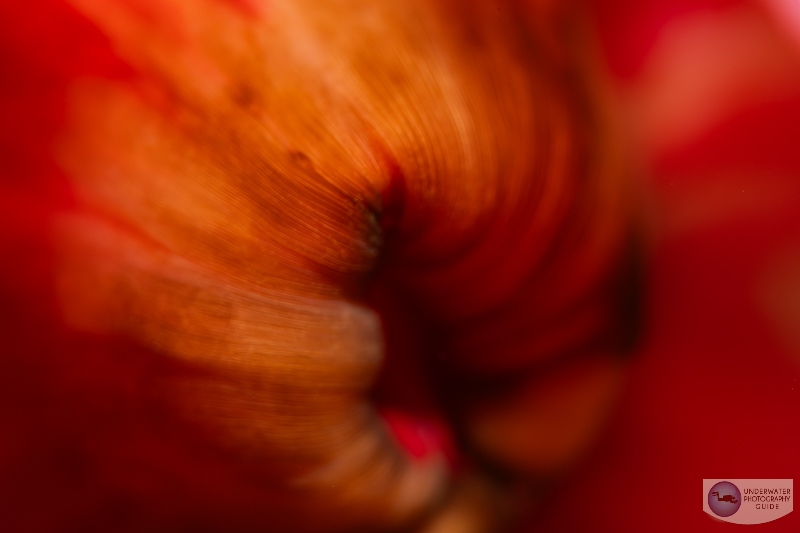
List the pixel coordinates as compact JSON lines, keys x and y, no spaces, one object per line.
{"x":244,"y":96}
{"x":301,"y":160}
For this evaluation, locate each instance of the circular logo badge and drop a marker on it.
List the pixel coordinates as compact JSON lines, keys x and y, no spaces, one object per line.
{"x":724,"y":498}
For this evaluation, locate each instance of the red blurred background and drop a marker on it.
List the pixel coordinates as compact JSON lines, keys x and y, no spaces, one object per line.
{"x":714,"y":102}
{"x":711,"y":91}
